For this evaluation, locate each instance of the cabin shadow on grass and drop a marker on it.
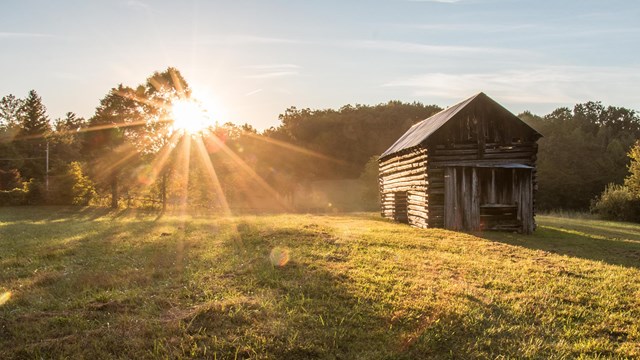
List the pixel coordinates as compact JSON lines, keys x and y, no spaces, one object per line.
{"x":613,"y":243}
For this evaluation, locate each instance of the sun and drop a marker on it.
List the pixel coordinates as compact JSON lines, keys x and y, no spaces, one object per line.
{"x":189,"y":116}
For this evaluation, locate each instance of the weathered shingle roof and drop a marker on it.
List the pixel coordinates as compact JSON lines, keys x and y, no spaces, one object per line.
{"x":425,"y":128}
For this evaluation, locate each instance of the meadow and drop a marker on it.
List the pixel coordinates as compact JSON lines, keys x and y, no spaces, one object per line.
{"x":90,"y":283}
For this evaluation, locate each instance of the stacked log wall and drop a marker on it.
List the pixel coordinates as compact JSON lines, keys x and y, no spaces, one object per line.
{"x":403,"y":184}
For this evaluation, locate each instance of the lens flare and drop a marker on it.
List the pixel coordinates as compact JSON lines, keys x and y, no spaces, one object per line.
{"x":5,"y":297}
{"x":279,"y":256}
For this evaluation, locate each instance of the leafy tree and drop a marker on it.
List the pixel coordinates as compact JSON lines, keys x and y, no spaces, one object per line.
{"x":582,"y":151}
{"x":161,"y":90}
{"x":66,"y":141}
{"x":632,"y":181}
{"x":105,"y":140}
{"x":82,"y":189}
{"x":371,"y":188}
{"x":10,"y":179}
{"x":11,"y":109}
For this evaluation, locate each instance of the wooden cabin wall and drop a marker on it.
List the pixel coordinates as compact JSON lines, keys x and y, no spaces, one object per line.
{"x":478,"y":138}
{"x":403,"y":183}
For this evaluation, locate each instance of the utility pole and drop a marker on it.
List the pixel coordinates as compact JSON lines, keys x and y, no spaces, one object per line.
{"x":47,"y":169}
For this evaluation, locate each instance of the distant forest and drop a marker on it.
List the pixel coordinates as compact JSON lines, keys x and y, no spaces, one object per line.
{"x":112,"y":158}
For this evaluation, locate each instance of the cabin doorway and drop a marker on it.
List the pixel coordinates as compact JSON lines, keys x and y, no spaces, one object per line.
{"x":401,"y":213}
{"x":489,"y":198}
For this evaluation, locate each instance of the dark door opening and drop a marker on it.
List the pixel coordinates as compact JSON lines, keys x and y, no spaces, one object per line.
{"x":400,"y":201}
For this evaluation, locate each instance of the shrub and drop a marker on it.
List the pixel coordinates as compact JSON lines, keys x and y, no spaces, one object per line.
{"x":17,"y":196}
{"x":617,"y":202}
{"x":10,"y":179}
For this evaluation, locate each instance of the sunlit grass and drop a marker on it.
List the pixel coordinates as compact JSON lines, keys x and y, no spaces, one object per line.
{"x":129,"y":285}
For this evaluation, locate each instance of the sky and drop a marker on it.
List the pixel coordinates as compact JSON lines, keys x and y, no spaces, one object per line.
{"x":254,"y":59}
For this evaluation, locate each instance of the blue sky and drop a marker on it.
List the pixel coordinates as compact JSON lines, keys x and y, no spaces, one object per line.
{"x":256,"y":58}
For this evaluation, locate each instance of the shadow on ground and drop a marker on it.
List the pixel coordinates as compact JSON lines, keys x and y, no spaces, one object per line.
{"x":615,"y":244}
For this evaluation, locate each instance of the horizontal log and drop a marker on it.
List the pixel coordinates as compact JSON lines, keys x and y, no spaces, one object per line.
{"x":396,"y":163}
{"x":435,"y":159}
{"x":419,"y":213}
{"x":418,"y":198}
{"x":418,"y":177}
{"x":419,"y":207}
{"x":400,"y":158}
{"x":403,"y":155}
{"x":527,"y":162}
{"x":418,"y":171}
{"x":410,"y":166}
{"x":501,"y":149}
{"x":475,"y":144}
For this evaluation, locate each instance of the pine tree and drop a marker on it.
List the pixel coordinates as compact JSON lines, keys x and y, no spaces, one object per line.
{"x":31,"y":140}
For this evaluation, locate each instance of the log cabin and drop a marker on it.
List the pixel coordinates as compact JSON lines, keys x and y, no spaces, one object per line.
{"x":469,"y":167}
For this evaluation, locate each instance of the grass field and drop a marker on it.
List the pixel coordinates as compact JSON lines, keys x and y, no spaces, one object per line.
{"x":94,"y":284}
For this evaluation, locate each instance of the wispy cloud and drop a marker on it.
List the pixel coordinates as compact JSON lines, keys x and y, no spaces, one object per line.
{"x":138,"y":4}
{"x":477,"y":27}
{"x":436,"y":1}
{"x":272,"y":66}
{"x":542,"y":85}
{"x":235,"y":39}
{"x":429,"y":49}
{"x":22,"y":35}
{"x":265,"y":71}
{"x":274,"y":74}
{"x":253,"y":92}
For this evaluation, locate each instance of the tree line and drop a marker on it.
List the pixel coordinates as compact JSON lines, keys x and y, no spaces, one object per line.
{"x":127,"y":154}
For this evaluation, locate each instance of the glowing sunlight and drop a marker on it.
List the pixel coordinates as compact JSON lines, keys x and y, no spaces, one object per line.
{"x":190,"y":117}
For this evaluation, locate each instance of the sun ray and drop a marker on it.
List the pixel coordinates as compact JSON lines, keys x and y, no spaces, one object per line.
{"x":177,"y":83}
{"x":243,"y":166}
{"x":126,"y":149}
{"x":159,"y":161}
{"x":213,"y":176}
{"x":185,"y":154}
{"x":295,"y":148}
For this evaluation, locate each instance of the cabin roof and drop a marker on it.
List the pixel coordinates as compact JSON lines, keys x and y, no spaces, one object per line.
{"x":420,"y":131}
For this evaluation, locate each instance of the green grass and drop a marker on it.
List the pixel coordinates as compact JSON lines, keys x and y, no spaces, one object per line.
{"x":95,"y":284}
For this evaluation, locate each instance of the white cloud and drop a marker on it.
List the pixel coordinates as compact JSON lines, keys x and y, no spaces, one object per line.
{"x":235,"y":39}
{"x":22,"y":35}
{"x":274,"y":74}
{"x":265,"y":71}
{"x":419,"y":48}
{"x":272,"y":66}
{"x":542,"y":85}
{"x":438,"y":1}
{"x":253,"y":92}
{"x":138,"y":4}
{"x":477,"y":27}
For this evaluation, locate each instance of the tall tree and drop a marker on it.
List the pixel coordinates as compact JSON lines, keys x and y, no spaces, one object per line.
{"x":105,"y":140}
{"x":632,"y":181}
{"x":34,"y":128}
{"x":10,"y":111}
{"x":161,"y":90}
{"x":66,"y":141}
{"x":10,"y":117}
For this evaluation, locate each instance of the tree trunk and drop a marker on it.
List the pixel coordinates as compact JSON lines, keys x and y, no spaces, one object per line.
{"x":114,"y":191}
{"x":163,"y":191}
